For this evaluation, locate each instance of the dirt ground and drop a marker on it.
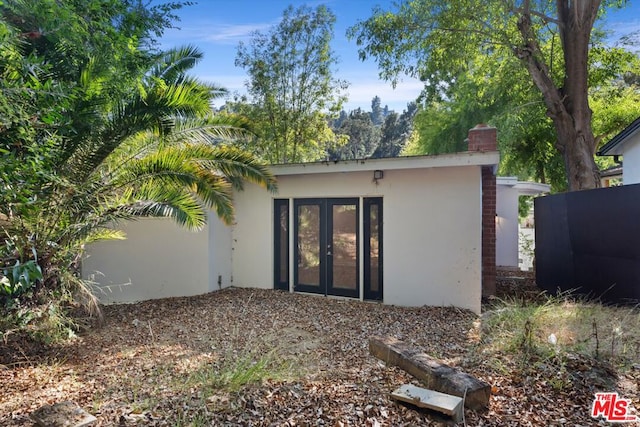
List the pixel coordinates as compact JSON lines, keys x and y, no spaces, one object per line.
{"x":155,"y":363}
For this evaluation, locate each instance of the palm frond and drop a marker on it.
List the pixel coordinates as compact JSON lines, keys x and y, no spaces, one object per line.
{"x":238,"y":165}
{"x":189,"y":97}
{"x":105,"y":234}
{"x":169,"y":202}
{"x":170,"y":164}
{"x":172,"y":64}
{"x":173,"y":167}
{"x":136,"y":146}
{"x":155,"y":111}
{"x":216,"y":192}
{"x":208,"y":172}
{"x":211,"y":130}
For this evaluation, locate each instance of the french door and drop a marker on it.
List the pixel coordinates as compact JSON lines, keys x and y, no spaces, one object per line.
{"x":326,"y":246}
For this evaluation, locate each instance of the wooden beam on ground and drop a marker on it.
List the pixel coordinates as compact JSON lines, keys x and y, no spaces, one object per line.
{"x":423,"y":398}
{"x":433,"y":373}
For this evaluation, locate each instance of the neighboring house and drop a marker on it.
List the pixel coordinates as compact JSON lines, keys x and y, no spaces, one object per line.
{"x":509,"y":189}
{"x":611,"y":177}
{"x":626,"y":144}
{"x":405,"y":231}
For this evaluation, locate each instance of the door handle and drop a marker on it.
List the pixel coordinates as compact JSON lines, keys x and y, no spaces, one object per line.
{"x":329,"y":250}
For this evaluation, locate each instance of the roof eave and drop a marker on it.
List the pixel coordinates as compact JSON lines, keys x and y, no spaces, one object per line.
{"x":531,"y":188}
{"x":469,"y":158}
{"x":615,"y":146}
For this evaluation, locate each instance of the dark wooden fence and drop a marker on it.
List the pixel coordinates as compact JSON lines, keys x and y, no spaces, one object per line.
{"x":589,"y":241}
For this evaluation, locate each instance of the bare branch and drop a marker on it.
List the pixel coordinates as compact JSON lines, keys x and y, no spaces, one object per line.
{"x":546,"y":19}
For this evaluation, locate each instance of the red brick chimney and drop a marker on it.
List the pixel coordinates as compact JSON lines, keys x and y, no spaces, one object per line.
{"x":484,"y":138}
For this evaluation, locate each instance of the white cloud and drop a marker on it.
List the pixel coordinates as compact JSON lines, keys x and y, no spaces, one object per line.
{"x":630,"y":30}
{"x":626,"y":27}
{"x":231,"y":34}
{"x":216,"y":33}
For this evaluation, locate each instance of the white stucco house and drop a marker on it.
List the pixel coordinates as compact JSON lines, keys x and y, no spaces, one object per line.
{"x":509,"y":189}
{"x":406,"y":231}
{"x":626,"y":145}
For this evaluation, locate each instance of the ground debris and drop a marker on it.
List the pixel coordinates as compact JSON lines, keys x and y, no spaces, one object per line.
{"x":63,"y":414}
{"x":169,"y":369}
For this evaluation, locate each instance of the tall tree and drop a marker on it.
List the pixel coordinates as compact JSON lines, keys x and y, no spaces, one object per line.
{"x":362,"y":137}
{"x":526,"y":133}
{"x":432,"y":39}
{"x":291,"y":84}
{"x":152,"y":148}
{"x":396,"y":131}
{"x":49,"y":43}
{"x":377,"y":116}
{"x":391,"y":137}
{"x":337,"y":122}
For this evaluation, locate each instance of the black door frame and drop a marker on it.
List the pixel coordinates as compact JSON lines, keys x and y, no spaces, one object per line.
{"x":367,"y":203}
{"x":331,"y":290}
{"x":325,"y":287}
{"x":301,"y":287}
{"x":325,"y":227}
{"x":278,"y":282}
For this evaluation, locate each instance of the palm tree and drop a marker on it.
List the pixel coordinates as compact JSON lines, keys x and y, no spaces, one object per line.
{"x":159,"y":152}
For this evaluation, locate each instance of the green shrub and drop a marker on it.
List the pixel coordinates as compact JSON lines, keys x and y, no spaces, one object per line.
{"x":17,"y":280}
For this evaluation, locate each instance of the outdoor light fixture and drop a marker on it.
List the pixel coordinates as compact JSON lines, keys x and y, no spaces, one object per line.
{"x":378,"y":174}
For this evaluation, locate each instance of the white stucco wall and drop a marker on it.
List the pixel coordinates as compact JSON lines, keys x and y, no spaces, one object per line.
{"x":631,"y":161}
{"x":506,"y":226}
{"x":158,"y":259}
{"x":220,"y":253}
{"x":432,"y":237}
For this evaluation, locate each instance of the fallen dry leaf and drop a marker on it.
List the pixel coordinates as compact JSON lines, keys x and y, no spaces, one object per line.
{"x":156,"y":363}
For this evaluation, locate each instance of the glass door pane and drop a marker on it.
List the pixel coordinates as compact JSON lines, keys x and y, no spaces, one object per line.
{"x":326,"y":246}
{"x":309,"y":247}
{"x":342,"y":249}
{"x":281,"y":244}
{"x":372,"y":248}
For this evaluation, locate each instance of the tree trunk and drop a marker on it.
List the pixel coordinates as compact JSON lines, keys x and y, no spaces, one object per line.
{"x":577,"y":20}
{"x":578,"y":150}
{"x":568,"y":106}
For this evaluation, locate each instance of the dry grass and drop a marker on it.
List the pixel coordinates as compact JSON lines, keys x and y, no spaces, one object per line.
{"x":564,"y":324}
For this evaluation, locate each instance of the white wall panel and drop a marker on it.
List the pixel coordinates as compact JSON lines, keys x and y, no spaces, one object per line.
{"x":507,"y":226}
{"x":631,"y":159}
{"x":158,"y":259}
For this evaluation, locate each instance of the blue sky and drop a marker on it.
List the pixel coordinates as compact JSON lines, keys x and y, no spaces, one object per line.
{"x":217,"y":26}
